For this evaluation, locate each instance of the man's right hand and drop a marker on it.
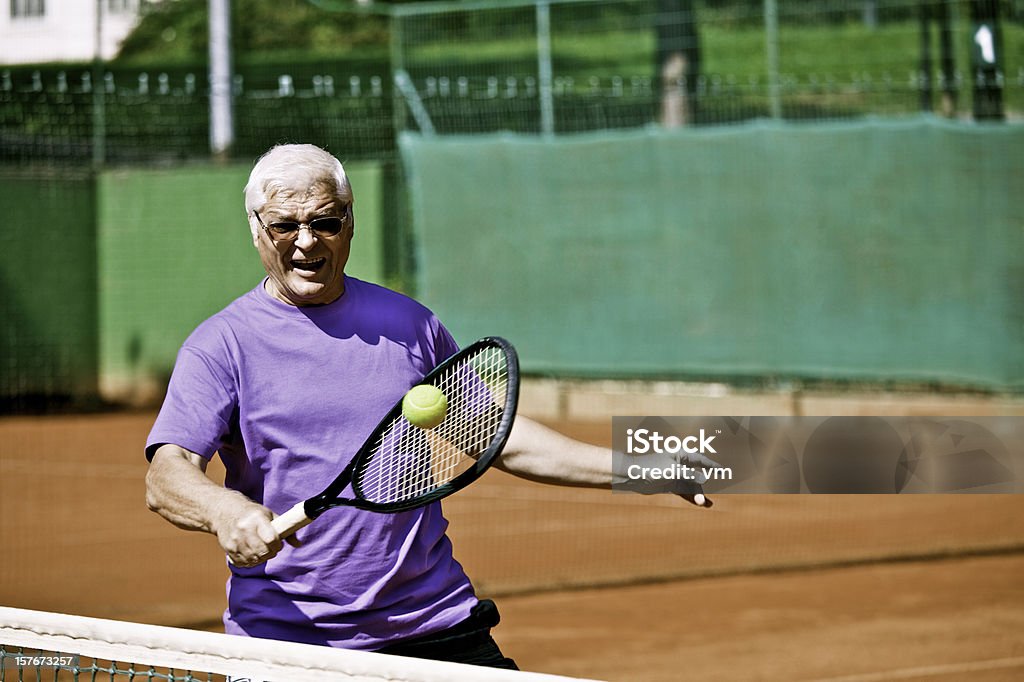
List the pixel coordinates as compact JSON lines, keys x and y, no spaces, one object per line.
{"x":245,"y":534}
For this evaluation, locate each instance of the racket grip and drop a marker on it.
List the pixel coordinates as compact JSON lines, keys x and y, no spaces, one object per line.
{"x":295,"y":518}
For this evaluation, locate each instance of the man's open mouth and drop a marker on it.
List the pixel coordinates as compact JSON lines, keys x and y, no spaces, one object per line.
{"x":308,"y":264}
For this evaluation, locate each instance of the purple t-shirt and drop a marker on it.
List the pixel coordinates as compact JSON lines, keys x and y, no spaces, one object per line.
{"x":287,"y":395}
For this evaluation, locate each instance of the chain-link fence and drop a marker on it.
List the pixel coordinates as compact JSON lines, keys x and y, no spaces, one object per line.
{"x":556,"y":67}
{"x":570,"y":66}
{"x":160,"y":116}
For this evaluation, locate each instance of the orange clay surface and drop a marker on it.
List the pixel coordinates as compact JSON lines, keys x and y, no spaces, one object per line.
{"x":758,"y":588}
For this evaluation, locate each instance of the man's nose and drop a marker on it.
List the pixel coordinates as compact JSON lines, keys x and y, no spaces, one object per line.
{"x":306,"y":237}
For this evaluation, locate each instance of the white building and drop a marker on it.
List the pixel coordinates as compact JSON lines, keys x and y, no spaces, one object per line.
{"x":36,"y":31}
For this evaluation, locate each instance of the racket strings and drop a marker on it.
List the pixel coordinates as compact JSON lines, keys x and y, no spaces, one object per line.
{"x":409,"y":462}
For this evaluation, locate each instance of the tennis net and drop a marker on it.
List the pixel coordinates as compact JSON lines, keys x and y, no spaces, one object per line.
{"x":36,"y":645}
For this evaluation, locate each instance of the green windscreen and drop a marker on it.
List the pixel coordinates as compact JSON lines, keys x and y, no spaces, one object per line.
{"x":878,"y":251}
{"x":49,"y":302}
{"x":174,"y":248}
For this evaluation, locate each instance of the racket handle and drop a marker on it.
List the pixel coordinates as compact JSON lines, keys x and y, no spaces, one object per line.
{"x":295,"y":518}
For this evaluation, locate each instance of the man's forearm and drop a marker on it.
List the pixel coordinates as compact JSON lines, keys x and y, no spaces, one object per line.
{"x":538,"y":453}
{"x":178,"y":489}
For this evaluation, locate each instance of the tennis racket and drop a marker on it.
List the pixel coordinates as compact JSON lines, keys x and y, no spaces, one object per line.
{"x":401,"y":466}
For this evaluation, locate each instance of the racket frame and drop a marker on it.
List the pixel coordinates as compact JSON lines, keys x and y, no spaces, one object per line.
{"x":331,"y":496}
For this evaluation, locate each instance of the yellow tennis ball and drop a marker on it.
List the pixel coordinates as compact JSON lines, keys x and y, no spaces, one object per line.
{"x":424,"y":406}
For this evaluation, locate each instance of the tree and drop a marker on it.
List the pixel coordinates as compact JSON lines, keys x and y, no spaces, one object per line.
{"x":176,"y":30}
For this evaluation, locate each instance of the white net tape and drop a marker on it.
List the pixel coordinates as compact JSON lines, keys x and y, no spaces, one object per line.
{"x":31,"y":642}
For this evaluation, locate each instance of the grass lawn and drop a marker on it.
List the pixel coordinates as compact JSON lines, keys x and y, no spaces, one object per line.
{"x":846,"y":54}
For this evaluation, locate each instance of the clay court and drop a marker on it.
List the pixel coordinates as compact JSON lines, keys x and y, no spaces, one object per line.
{"x":617,"y":587}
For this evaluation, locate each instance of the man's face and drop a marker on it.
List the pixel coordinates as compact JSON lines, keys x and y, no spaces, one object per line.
{"x":308,"y":270}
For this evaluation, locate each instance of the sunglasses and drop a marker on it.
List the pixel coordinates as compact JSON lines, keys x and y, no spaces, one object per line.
{"x":289,"y":231}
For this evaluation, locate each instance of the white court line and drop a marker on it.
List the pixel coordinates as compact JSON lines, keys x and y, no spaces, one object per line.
{"x":931,"y":670}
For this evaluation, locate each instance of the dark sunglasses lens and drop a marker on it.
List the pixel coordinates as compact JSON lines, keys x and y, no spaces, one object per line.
{"x":284,"y":230}
{"x":326,"y":226}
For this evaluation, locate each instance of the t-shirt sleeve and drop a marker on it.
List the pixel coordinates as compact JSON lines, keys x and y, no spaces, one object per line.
{"x":444,"y":345}
{"x":196,"y":413}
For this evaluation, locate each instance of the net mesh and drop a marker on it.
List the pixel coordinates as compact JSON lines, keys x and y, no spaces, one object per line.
{"x":46,"y":646}
{"x":409,"y":462}
{"x":27,"y":663}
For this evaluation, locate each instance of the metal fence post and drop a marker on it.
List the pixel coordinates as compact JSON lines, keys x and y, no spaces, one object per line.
{"x":396,"y":55}
{"x":544,"y":71}
{"x":99,"y":115}
{"x":222,"y":127}
{"x":771,"y":37}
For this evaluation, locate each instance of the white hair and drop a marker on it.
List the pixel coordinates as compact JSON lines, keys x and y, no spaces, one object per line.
{"x":287,"y":168}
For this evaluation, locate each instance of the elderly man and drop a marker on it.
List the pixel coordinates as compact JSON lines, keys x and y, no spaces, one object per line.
{"x":286,"y":383}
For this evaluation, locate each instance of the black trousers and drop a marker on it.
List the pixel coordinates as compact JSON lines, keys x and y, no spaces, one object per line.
{"x":467,"y":642}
